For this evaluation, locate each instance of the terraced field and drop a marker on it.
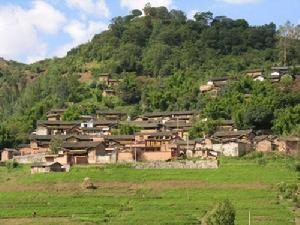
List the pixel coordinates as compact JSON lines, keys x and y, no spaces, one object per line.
{"x":129,"y":196}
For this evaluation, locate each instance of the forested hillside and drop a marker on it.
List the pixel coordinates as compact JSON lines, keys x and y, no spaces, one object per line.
{"x":162,"y":58}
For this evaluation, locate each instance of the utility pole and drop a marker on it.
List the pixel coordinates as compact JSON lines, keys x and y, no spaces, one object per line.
{"x":187,"y":142}
{"x":249,"y":218}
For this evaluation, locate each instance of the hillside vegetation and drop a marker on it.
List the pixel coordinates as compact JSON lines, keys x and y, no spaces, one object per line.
{"x":162,"y":58}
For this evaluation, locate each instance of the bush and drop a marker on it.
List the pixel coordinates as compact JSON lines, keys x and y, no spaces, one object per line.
{"x":11,"y":164}
{"x":288,"y":191}
{"x":297,"y":167}
{"x":222,"y":214}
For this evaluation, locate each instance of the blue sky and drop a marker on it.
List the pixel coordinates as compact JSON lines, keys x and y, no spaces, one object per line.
{"x":32,"y":30}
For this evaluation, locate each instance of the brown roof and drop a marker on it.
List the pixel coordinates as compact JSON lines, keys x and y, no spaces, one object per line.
{"x":254,"y":71}
{"x":175,"y":113}
{"x":142,"y":124}
{"x":105,"y":122}
{"x":100,"y":112}
{"x":119,"y":137}
{"x":58,"y":122}
{"x":81,"y":145}
{"x":220,"y":134}
{"x":63,"y":137}
{"x":175,"y":125}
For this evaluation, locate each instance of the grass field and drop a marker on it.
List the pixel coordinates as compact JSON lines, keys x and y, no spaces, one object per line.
{"x":129,"y":196}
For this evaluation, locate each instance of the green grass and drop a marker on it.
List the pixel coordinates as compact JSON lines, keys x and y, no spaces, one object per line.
{"x":248,"y":185}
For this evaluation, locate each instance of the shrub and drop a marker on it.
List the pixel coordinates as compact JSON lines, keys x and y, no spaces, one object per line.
{"x":11,"y":164}
{"x":288,"y":191}
{"x":297,"y":167}
{"x":222,"y":214}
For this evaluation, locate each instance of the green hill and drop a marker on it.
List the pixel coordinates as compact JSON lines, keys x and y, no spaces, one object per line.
{"x":162,"y":58}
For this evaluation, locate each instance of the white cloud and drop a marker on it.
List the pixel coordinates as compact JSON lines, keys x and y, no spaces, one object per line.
{"x":46,"y":18}
{"x":240,"y":1}
{"x":96,"y":8}
{"x":20,"y":29}
{"x":80,"y":33}
{"x":190,"y":14}
{"x":139,"y":4}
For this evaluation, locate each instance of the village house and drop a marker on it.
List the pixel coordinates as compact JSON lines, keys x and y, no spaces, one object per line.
{"x":279,"y":70}
{"x":214,"y":85}
{"x":55,"y":114}
{"x":149,"y":147}
{"x":163,"y":117}
{"x":145,"y":126}
{"x":8,"y":154}
{"x":108,"y":93}
{"x":255,"y":73}
{"x":233,"y":148}
{"x":47,"y":167}
{"x":233,"y":143}
{"x":98,"y":127}
{"x":225,"y":125}
{"x":264,"y":143}
{"x":119,"y":139}
{"x":184,"y":147}
{"x":111,"y":115}
{"x":104,"y":78}
{"x":87,"y":118}
{"x":113,"y":82}
{"x":84,"y":152}
{"x":56,"y":127}
{"x":274,"y":78}
{"x":204,"y":149}
{"x":118,"y":144}
{"x":246,"y":136}
{"x":289,"y":145}
{"x":41,"y":143}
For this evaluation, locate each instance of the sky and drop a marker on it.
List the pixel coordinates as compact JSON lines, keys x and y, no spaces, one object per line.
{"x":32,"y":30}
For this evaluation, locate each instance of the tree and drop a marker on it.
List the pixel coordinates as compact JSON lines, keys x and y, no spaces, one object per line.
{"x":222,"y":214}
{"x":258,"y":117}
{"x":203,"y":128}
{"x":136,"y":12}
{"x":55,"y":144}
{"x":204,"y":18}
{"x":287,"y":34}
{"x":287,"y":120}
{"x":287,"y":81}
{"x":126,"y":129}
{"x":129,"y":90}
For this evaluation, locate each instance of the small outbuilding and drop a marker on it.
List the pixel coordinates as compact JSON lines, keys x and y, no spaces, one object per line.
{"x":47,"y":167}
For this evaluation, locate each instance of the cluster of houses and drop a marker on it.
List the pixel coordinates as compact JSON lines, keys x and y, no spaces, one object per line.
{"x":161,"y":136}
{"x":214,"y":85}
{"x":105,"y":78}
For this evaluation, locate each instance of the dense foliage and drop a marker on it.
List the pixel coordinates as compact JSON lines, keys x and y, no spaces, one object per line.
{"x":161,"y":57}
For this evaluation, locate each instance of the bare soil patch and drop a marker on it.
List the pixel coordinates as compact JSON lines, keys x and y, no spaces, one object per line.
{"x":155,"y":185}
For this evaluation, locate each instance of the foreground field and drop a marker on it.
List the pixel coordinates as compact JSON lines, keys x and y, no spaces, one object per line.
{"x":129,"y":196}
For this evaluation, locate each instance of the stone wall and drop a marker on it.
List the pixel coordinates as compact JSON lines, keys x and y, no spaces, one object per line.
{"x":29,"y":159}
{"x":203,"y":164}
